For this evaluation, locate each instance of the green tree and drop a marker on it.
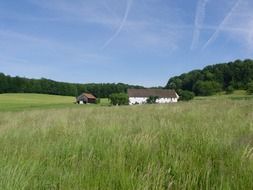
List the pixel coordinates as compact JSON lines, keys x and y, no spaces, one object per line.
{"x":152,"y":99}
{"x":238,"y":74}
{"x":250,"y":88}
{"x":3,"y":83}
{"x":207,"y":88}
{"x":98,"y":101}
{"x":17,"y":84}
{"x":119,"y":99}
{"x":230,"y":89}
{"x":185,"y":95}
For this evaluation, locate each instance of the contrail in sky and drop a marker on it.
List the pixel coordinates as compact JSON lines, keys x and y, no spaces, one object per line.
{"x":222,"y":24}
{"x":128,"y":8}
{"x":199,"y":19}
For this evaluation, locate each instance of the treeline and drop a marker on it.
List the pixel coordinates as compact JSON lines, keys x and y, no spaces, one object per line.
{"x":17,"y":84}
{"x":215,"y":78}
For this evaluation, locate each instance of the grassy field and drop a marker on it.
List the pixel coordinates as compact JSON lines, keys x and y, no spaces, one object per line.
{"x":237,"y":95}
{"x":205,"y":144}
{"x":14,"y":102}
{"x":19,"y":102}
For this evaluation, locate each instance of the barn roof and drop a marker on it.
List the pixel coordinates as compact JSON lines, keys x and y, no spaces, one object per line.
{"x":87,"y":95}
{"x":161,"y":93}
{"x":90,"y":96}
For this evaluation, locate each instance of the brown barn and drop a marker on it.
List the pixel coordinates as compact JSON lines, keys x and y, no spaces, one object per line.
{"x":86,"y":98}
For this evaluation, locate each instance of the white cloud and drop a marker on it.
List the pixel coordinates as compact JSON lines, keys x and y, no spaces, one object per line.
{"x":128,"y":7}
{"x":222,"y":24}
{"x":113,"y":15}
{"x":99,"y":12}
{"x":199,"y":20}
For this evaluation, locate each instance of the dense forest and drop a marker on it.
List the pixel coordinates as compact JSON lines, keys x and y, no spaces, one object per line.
{"x":215,"y":78}
{"x":212,"y":79}
{"x":16,"y":84}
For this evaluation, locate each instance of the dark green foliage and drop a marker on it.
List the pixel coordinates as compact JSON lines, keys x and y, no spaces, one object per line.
{"x":119,"y":99}
{"x":230,"y":89}
{"x":10,"y":84}
{"x":233,"y":75}
{"x":152,"y":99}
{"x":250,"y":88}
{"x":98,"y":100}
{"x":185,"y":95}
{"x":3,"y":83}
{"x":206,"y":88}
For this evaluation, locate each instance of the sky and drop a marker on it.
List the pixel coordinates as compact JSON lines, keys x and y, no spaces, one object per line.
{"x":142,"y":42}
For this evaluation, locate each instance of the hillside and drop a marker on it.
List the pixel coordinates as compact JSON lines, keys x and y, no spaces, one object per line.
{"x":215,"y":78}
{"x":21,"y":101}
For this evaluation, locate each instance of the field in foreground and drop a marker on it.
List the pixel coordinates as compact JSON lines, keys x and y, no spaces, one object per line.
{"x":203,"y":144}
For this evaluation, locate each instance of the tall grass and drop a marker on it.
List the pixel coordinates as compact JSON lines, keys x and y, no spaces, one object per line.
{"x":196,"y":145}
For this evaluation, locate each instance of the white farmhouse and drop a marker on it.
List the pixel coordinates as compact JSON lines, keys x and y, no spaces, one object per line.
{"x":140,"y":96}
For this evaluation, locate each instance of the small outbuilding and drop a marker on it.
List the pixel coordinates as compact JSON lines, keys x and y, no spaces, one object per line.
{"x":86,"y":98}
{"x":140,"y":96}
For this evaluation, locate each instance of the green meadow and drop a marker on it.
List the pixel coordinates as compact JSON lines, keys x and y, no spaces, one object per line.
{"x":48,"y":142}
{"x":20,"y":101}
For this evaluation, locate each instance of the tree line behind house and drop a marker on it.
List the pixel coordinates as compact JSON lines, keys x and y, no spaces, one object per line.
{"x":212,"y":79}
{"x":17,"y":84}
{"x":237,"y":75}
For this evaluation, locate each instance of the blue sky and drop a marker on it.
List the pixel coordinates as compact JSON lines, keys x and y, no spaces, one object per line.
{"x":141,"y":42}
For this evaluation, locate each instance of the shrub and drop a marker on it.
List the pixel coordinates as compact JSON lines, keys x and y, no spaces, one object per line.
{"x":229,"y":90}
{"x":250,"y":88}
{"x":152,"y":99}
{"x":185,"y":95}
{"x":98,"y":100}
{"x":119,"y":99}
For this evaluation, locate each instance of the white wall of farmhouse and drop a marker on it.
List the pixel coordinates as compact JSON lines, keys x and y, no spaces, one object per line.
{"x":137,"y":100}
{"x":143,"y":100}
{"x":166,"y":100}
